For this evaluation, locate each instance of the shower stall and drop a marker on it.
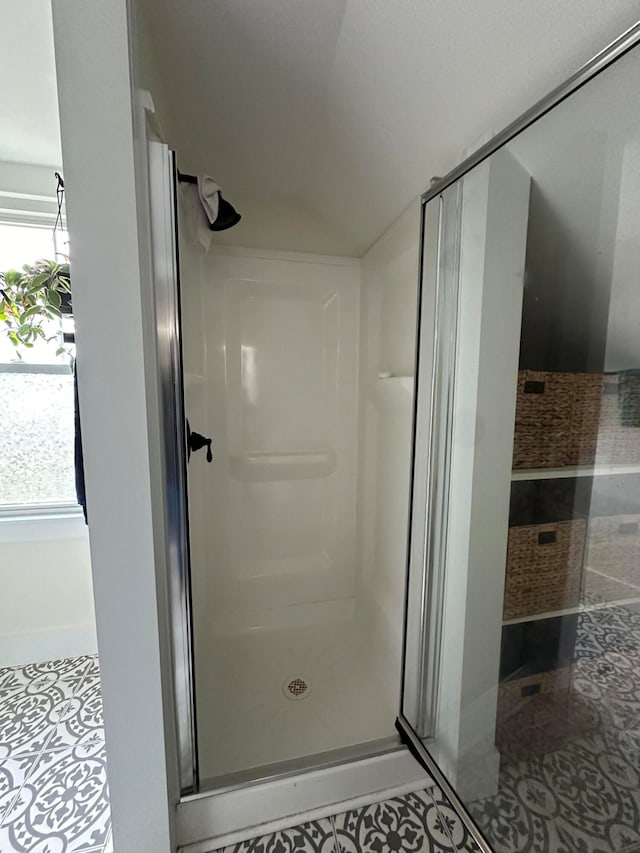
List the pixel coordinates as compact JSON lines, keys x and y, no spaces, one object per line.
{"x":397,"y":541}
{"x":290,"y":548}
{"x":290,"y":660}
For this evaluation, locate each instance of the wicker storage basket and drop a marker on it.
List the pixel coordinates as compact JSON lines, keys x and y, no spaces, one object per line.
{"x":541,"y":713}
{"x":619,"y":437}
{"x":544,"y":568}
{"x":613,"y":547}
{"x":585,"y":418}
{"x":512,"y":695}
{"x":543,"y":419}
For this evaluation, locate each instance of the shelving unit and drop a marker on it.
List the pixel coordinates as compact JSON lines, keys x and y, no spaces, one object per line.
{"x":589,"y":513}
{"x":580,"y":608}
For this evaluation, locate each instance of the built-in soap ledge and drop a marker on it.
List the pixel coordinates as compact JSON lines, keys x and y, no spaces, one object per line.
{"x":192,"y":380}
{"x":392,"y":388}
{"x":270,"y":467}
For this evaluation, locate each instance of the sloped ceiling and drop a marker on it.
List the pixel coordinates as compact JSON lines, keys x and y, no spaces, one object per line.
{"x":348,"y":107}
{"x":29,"y":124}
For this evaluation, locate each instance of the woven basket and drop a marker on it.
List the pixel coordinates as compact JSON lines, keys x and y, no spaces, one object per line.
{"x":512,"y":695}
{"x":618,"y":439}
{"x":544,"y":406}
{"x":544,"y":568}
{"x":541,"y":713}
{"x":613,"y":547}
{"x":585,"y":418}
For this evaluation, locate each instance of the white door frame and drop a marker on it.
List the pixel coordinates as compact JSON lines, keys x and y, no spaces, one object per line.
{"x":110,"y":264}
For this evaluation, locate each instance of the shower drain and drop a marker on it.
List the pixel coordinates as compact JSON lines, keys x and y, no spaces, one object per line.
{"x":296,"y":687}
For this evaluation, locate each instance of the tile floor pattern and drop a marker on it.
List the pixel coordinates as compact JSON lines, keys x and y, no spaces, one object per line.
{"x":422,"y":822}
{"x":53,"y":783}
{"x":584,"y":797}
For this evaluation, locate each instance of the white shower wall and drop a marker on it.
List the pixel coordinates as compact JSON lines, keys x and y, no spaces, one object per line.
{"x":388,"y":305}
{"x":298,"y":526}
{"x":272,"y":348}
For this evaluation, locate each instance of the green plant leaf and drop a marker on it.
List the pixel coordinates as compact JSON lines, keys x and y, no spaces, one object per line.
{"x":54,"y":298}
{"x":24,"y":331}
{"x":30,"y":312}
{"x":30,"y":297}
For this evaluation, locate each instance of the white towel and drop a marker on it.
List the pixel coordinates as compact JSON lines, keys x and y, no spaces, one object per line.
{"x":209,"y":193}
{"x":198,"y":222}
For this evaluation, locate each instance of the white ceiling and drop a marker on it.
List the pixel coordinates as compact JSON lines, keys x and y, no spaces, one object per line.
{"x":348,"y":107}
{"x":29,"y":124}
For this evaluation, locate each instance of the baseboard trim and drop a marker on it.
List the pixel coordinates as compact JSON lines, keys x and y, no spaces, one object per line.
{"x":38,"y":646}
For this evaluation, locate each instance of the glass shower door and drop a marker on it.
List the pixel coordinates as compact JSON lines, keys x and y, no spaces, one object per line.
{"x":521,"y":669}
{"x":459,"y":524}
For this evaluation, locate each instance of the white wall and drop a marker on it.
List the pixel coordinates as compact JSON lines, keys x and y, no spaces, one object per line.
{"x":279,"y":389}
{"x":623,"y":332}
{"x":46,"y":607}
{"x":387,"y":345}
{"x":494,"y":217}
{"x":28,"y":104}
{"x":107,"y":218}
{"x":148,"y":76}
{"x":282,"y":224}
{"x":28,"y":190}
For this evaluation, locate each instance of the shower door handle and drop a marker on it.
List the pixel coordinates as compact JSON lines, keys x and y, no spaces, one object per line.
{"x":196,"y":441}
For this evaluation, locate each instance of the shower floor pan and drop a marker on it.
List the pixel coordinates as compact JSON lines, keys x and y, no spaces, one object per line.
{"x":280,"y":696}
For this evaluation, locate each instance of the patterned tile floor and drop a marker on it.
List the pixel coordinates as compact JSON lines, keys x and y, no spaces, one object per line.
{"x":584,"y":797}
{"x":53,"y":783}
{"x":422,"y":822}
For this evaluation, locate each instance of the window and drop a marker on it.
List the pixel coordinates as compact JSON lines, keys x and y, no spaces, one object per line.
{"x":36,"y":396}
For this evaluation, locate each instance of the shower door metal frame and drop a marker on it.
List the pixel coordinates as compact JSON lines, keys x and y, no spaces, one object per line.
{"x":170,"y":406}
{"x":600,"y":62}
{"x":433,"y":562}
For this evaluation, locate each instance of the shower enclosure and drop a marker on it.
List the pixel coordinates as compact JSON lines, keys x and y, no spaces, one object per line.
{"x":290,"y":537}
{"x":283,"y":661}
{"x":422,"y":463}
{"x":521,"y":670}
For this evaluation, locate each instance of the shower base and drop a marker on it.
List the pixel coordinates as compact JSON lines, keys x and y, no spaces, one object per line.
{"x":267,"y":696}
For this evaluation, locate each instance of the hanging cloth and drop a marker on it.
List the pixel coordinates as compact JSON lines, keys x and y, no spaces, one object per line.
{"x":206,"y":208}
{"x":77,"y":447}
{"x":219,"y":212}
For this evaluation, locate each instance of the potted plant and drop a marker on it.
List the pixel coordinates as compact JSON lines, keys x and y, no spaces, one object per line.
{"x":41,"y":292}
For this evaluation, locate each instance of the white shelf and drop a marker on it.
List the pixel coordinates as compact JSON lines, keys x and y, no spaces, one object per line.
{"x":271,"y":467}
{"x":193,"y":380}
{"x":391,"y":389}
{"x":580,"y":608}
{"x":401,"y":380}
{"x":575,"y":471}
